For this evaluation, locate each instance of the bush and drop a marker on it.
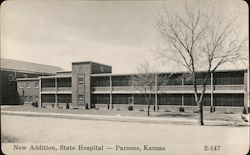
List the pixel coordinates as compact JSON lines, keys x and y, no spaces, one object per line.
{"x":34,"y":104}
{"x":244,"y":111}
{"x":167,"y":110}
{"x":67,"y":106}
{"x":141,"y":110}
{"x":130,"y":108}
{"x":228,"y":112}
{"x":52,"y":105}
{"x":92,"y":106}
{"x":86,"y":106}
{"x":196,"y":111}
{"x":181,"y":109}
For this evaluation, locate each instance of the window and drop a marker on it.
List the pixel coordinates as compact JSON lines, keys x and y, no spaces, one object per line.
{"x":28,"y":84}
{"x":81,"y":78}
{"x":100,"y":99}
{"x":80,"y":97}
{"x":36,"y":84}
{"x":80,"y":68}
{"x":10,"y":77}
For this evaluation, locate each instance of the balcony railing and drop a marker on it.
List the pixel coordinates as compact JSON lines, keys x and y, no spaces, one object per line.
{"x":177,"y":88}
{"x":48,"y":89}
{"x":64,"y":89}
{"x":100,"y":88}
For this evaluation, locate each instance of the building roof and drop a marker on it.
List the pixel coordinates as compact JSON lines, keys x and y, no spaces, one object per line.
{"x":177,"y":72}
{"x":22,"y":66}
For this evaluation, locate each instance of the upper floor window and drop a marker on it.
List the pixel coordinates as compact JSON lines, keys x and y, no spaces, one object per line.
{"x":81,"y":78}
{"x":10,"y":77}
{"x":36,"y":84}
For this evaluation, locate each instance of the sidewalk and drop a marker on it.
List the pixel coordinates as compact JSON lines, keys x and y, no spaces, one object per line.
{"x":118,"y":118}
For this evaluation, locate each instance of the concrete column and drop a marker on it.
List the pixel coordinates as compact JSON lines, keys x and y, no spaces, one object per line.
{"x":246,"y":91}
{"x":212,"y":89}
{"x":182,"y":100}
{"x":110,"y":96}
{"x":56,"y":92}
{"x":182,"y":95}
{"x":40,"y":95}
{"x":156,"y":92}
{"x":133,"y":99}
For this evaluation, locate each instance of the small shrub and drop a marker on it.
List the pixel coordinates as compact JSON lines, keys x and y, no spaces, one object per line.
{"x":141,"y":110}
{"x":97,"y":108}
{"x":86,"y":106}
{"x":118,"y":109}
{"x":167,"y":110}
{"x":130,"y":108}
{"x":52,"y":105}
{"x":244,"y":111}
{"x":181,"y":109}
{"x":228,"y":112}
{"x":196,"y":111}
{"x":67,"y":106}
{"x":92,"y":106}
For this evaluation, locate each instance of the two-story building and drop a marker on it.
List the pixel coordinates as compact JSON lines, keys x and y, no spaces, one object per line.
{"x":94,"y":85}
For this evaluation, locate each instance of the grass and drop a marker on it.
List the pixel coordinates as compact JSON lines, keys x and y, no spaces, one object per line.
{"x":8,"y":139}
{"x":167,"y":113}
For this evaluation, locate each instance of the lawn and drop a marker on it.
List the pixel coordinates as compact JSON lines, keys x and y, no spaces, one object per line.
{"x":189,"y":115}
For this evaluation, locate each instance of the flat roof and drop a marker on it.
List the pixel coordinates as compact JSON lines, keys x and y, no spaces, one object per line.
{"x":30,"y":67}
{"x":177,"y":72}
{"x":27,"y":79}
{"x":89,"y":62}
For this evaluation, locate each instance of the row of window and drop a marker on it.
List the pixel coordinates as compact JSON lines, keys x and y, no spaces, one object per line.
{"x":222,"y":78}
{"x":175,"y":99}
{"x":61,"y":82}
{"x":29,"y":84}
{"x":61,"y":98}
{"x":28,"y":98}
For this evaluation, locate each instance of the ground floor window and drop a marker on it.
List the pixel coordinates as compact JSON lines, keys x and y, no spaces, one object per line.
{"x":236,"y":100}
{"x":64,"y":98}
{"x":100,"y":99}
{"x":170,"y":99}
{"x":48,"y":98}
{"x":141,"y":99}
{"x":120,"y":99}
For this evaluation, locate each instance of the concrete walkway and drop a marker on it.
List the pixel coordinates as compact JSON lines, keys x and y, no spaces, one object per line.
{"x":118,"y":118}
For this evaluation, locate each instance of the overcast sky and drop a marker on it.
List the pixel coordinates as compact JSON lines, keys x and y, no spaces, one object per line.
{"x":121,"y":34}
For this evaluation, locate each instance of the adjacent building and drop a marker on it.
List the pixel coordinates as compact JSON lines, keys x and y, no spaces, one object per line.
{"x":93,"y":85}
{"x":10,"y":70}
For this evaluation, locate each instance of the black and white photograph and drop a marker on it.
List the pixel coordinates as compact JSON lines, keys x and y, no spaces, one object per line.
{"x":125,"y":77}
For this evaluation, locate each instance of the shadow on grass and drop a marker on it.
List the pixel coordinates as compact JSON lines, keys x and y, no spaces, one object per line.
{"x":9,"y":139}
{"x":175,"y":115}
{"x":229,"y":125}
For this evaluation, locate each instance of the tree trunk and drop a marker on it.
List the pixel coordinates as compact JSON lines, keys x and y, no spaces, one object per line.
{"x":148,"y":109}
{"x":201,"y":114}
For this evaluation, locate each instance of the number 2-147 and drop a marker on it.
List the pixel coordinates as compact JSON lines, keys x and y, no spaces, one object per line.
{"x":212,"y":148}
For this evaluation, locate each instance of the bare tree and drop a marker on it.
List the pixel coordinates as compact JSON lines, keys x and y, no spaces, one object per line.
{"x":146,"y":81}
{"x":198,"y":40}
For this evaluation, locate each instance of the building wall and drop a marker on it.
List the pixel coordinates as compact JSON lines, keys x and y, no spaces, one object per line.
{"x":28,"y":91}
{"x":100,"y":68}
{"x":9,"y":94}
{"x":81,"y":84}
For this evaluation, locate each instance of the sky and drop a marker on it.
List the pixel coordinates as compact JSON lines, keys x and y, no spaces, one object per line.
{"x":118,"y":33}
